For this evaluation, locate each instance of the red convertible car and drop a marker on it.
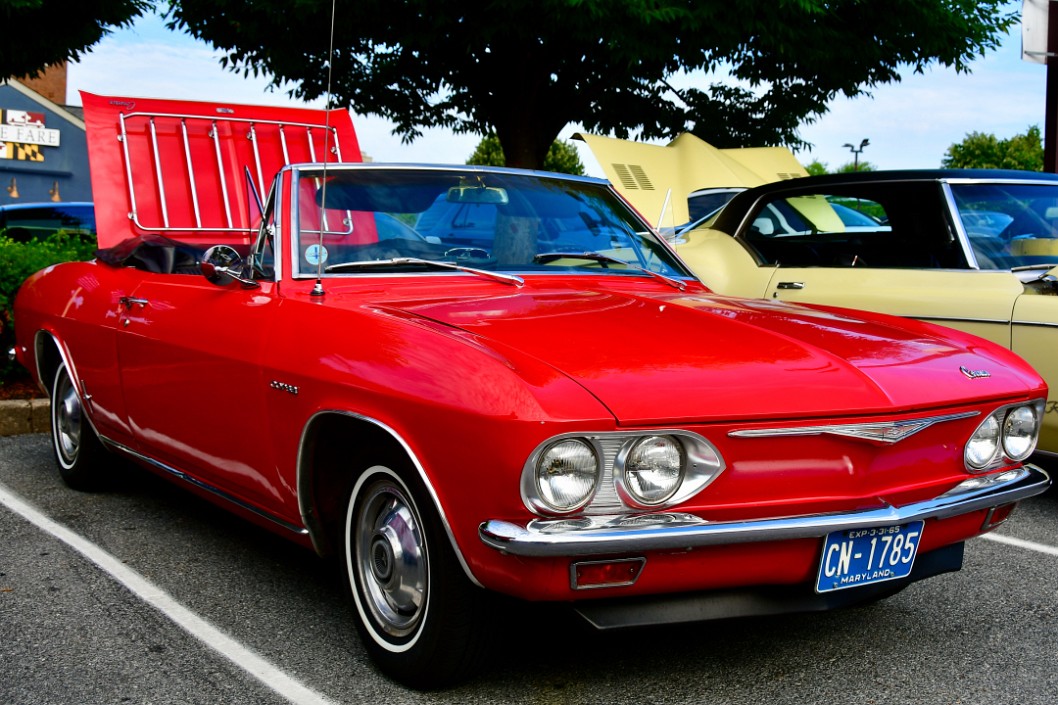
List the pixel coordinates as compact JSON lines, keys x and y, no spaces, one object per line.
{"x":465,"y":381}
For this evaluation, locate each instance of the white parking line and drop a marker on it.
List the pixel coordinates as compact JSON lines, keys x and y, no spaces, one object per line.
{"x":1029,"y":545}
{"x":270,"y":675}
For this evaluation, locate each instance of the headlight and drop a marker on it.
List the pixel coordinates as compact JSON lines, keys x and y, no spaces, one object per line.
{"x":983,"y":444}
{"x":1009,"y":433}
{"x":1020,"y":431}
{"x":567,"y":474}
{"x":612,"y":473}
{"x":653,"y":469}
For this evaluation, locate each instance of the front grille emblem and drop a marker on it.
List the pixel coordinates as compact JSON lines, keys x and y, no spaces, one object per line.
{"x":876,"y":432}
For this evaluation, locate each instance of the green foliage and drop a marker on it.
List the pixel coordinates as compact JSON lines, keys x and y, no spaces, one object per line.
{"x":42,"y":32}
{"x":816,"y":168}
{"x":525,"y":69}
{"x":18,"y":261}
{"x":853,"y":166}
{"x":985,"y":151}
{"x":870,"y":208}
{"x":561,"y":157}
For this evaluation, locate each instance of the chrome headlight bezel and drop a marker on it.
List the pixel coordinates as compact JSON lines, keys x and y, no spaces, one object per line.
{"x":535,"y":487}
{"x":1027,"y":443}
{"x":1003,"y":438}
{"x":631,"y":471}
{"x":701,"y":463}
{"x":983,"y":445}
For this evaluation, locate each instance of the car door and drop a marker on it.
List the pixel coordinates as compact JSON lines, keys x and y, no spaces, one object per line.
{"x":191,"y":354}
{"x":1035,"y":338}
{"x":88,"y":333}
{"x":969,"y":300}
{"x":888,"y":247}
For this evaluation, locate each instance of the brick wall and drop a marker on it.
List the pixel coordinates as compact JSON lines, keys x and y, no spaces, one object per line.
{"x":51,"y":83}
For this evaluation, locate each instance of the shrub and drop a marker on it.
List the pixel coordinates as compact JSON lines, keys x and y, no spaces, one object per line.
{"x":18,"y":260}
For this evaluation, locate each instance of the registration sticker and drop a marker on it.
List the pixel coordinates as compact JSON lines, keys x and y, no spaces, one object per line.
{"x":856,"y":557}
{"x":316,"y":255}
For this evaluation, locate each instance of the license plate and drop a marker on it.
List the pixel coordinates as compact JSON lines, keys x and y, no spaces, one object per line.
{"x":856,"y":557}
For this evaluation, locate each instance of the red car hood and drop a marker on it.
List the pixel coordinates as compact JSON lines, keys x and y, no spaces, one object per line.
{"x":700,"y":357}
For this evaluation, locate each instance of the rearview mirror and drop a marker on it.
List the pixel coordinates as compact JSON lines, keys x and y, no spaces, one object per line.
{"x":478,"y":194}
{"x":221,"y":265}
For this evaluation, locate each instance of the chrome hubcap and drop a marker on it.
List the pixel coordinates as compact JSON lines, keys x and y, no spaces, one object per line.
{"x":391,"y":559}
{"x":67,"y":420}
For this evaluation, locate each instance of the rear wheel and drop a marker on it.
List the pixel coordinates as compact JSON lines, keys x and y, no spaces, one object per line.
{"x":78,"y":451}
{"x":420,"y":618}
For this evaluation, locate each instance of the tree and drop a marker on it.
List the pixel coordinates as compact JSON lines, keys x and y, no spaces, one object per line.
{"x":984,"y":151}
{"x":38,"y":33}
{"x":524,"y":69}
{"x":816,"y":168}
{"x":853,"y":167}
{"x":562,"y":157}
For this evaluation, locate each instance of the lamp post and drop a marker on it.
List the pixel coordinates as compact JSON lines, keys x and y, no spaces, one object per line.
{"x":856,"y":153}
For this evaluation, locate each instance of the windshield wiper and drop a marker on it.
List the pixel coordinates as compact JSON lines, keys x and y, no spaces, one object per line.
{"x":398,"y":261}
{"x":546,"y":257}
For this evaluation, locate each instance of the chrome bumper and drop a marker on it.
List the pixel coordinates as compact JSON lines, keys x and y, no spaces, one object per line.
{"x":592,"y":536}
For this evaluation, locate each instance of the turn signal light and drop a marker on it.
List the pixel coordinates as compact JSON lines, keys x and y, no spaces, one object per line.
{"x":602,"y":574}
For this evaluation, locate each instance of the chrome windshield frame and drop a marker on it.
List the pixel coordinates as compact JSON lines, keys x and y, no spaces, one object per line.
{"x":639,"y":227}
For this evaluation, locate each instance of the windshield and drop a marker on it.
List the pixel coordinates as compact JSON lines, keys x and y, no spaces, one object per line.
{"x":501,"y":221}
{"x":1010,"y":225}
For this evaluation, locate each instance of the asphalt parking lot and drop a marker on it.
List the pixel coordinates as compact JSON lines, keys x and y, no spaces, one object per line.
{"x":145,"y":594}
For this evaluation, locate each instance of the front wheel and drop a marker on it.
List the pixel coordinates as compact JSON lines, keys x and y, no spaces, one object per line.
{"x":78,"y":451}
{"x":419,"y":616}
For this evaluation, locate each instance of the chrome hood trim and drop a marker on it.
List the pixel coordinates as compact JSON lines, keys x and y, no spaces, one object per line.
{"x":878,"y":432}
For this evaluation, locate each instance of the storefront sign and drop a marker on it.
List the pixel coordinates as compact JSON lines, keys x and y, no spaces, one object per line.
{"x":22,"y":134}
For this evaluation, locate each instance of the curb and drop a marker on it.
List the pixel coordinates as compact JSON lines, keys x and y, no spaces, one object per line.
{"x":19,"y":416}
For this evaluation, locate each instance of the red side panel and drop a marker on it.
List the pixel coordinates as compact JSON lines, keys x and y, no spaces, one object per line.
{"x":184,"y":169}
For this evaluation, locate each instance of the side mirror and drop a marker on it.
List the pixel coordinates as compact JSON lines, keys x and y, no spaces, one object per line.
{"x":221,"y":265}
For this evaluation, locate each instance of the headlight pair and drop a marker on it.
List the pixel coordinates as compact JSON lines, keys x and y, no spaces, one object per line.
{"x":615,"y":471}
{"x":1009,"y":432}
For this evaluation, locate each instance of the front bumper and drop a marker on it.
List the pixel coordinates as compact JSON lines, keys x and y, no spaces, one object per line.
{"x":594,"y":536}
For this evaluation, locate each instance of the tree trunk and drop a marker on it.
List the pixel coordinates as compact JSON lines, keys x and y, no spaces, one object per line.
{"x":516,"y":237}
{"x":520,"y":148}
{"x":525,"y":141}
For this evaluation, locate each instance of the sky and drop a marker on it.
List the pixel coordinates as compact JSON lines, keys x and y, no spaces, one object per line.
{"x":909,"y":124}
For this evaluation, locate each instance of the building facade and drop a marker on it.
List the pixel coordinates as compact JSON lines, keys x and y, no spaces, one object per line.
{"x":43,"y":153}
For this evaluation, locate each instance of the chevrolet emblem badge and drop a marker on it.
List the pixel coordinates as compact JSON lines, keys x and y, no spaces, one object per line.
{"x":975,"y":374}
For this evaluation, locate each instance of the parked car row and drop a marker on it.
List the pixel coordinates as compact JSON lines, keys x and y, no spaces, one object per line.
{"x":468,"y":381}
{"x":26,"y":222}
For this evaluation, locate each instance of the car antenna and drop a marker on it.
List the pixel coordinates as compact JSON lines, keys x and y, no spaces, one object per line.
{"x":317,"y":290}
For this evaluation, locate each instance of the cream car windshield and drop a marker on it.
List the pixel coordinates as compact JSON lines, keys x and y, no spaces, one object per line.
{"x":371,"y":220}
{"x":1009,"y":224}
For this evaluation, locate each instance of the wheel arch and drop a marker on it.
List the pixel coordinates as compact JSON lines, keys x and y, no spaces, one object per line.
{"x":330,"y":446}
{"x":48,"y":354}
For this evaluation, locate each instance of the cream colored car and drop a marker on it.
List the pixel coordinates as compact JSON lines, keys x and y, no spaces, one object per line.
{"x":973,"y":250}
